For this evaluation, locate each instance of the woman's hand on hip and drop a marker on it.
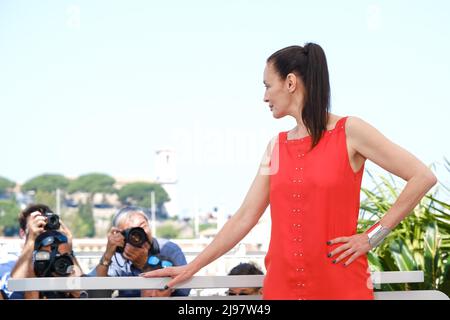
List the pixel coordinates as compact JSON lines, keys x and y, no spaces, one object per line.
{"x":353,"y":247}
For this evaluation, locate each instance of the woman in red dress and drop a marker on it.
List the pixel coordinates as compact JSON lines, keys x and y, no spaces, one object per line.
{"x":311,"y":177}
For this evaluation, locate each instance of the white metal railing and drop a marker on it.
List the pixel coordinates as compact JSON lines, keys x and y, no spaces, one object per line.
{"x":205,"y":282}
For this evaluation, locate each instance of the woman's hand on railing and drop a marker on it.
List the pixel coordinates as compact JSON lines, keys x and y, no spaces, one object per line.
{"x":178,"y":274}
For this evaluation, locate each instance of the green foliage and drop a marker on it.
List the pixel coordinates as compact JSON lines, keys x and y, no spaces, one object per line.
{"x":421,"y":241}
{"x":78,"y":227}
{"x":205,"y":226}
{"x":46,"y":183}
{"x":138,"y":193}
{"x":46,"y":198}
{"x":85,"y":223}
{"x":92,"y":183}
{"x":9,"y":212}
{"x":6,"y":184}
{"x":80,"y":221}
{"x":168,"y":230}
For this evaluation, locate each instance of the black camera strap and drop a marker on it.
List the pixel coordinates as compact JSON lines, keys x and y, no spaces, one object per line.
{"x":154,"y":247}
{"x":54,"y":249}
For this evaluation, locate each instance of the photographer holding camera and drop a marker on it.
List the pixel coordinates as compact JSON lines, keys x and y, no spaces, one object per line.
{"x":53,"y":257}
{"x":34,"y":221}
{"x":131,"y":249}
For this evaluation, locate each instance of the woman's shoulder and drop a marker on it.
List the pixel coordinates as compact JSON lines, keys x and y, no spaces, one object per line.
{"x":334,"y":120}
{"x":355,"y":124}
{"x":357,"y":129}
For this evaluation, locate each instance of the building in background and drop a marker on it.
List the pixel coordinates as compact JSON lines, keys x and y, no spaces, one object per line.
{"x":166,"y":176}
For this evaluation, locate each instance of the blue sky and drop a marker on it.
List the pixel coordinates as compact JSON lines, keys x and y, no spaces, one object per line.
{"x":98,"y":86}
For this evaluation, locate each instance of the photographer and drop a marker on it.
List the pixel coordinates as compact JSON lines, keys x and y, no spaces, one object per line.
{"x":53,"y":257}
{"x":33,"y":220}
{"x":131,"y":246}
{"x":245,"y":269}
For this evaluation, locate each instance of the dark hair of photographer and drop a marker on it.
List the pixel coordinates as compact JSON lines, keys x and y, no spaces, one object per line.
{"x":245,"y":269}
{"x":23,"y":216}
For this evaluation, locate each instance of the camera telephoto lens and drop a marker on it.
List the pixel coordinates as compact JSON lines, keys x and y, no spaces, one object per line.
{"x":63,"y":265}
{"x":52,"y":221}
{"x":134,"y":236}
{"x":137,"y":237}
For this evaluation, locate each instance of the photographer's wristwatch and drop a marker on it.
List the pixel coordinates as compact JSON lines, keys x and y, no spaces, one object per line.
{"x":104,"y":262}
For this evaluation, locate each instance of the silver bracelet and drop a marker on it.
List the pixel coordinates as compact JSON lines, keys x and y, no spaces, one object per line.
{"x":377,"y":234}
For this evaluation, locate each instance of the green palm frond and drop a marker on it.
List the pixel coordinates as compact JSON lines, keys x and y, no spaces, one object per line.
{"x":402,"y":255}
{"x":431,"y":254}
{"x":421,"y":241}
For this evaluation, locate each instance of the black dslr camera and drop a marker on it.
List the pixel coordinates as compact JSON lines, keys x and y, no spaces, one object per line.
{"x":134,"y":236}
{"x":52,"y":221}
{"x":49,"y":263}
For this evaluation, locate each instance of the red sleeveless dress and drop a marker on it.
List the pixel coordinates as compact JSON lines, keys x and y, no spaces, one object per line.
{"x":314,"y":197}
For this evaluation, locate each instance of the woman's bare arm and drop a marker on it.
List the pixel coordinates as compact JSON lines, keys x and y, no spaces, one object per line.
{"x":372,"y":145}
{"x":239,"y":225}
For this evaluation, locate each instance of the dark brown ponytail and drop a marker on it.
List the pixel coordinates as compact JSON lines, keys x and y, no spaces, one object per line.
{"x":310,"y":64}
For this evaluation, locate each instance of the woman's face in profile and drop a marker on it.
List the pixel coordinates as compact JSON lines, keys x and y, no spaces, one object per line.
{"x":275,"y":95}
{"x":282,"y":99}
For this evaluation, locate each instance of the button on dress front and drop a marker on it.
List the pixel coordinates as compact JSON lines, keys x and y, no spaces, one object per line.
{"x":314,"y":197}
